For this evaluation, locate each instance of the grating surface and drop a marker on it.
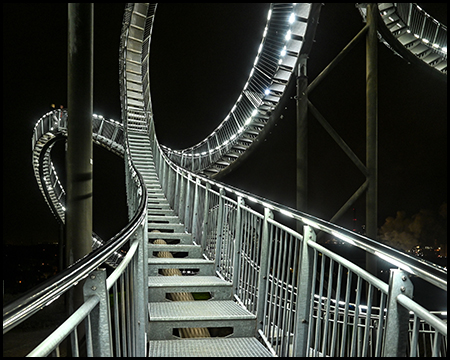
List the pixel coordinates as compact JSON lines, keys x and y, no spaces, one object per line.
{"x":175,"y":261}
{"x":220,"y":347}
{"x":164,"y":281}
{"x":197,"y":310}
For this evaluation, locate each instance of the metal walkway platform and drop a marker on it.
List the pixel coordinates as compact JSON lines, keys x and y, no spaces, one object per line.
{"x":214,"y":347}
{"x":219,"y":312}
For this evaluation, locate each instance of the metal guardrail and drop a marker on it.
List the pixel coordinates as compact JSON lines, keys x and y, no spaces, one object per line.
{"x":278,"y":273}
{"x":413,"y":34}
{"x":52,"y":127}
{"x":289,"y":32}
{"x":308,"y":300}
{"x":112,"y":328}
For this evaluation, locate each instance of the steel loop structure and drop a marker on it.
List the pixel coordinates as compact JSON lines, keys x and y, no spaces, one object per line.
{"x":288,"y":34}
{"x":414,"y":35}
{"x":279,"y":291}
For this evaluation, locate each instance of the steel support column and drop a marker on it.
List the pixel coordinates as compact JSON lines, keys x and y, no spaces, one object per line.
{"x":371,"y":131}
{"x":79,"y":139}
{"x":302,"y":135}
{"x":79,"y":131}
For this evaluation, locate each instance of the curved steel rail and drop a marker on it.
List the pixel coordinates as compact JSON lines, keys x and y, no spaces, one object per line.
{"x":51,"y":128}
{"x":414,"y":35}
{"x":140,"y":144}
{"x":137,"y":111}
{"x":288,"y":34}
{"x":47,"y":292}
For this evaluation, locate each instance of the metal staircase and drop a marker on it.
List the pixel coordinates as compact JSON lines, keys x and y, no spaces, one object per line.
{"x":207,"y":269}
{"x":165,"y":316}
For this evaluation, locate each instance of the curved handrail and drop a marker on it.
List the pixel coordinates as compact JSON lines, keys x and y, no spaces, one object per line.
{"x":413,"y":34}
{"x":429,"y":272}
{"x":289,"y":33}
{"x":47,"y":292}
{"x":51,"y":128}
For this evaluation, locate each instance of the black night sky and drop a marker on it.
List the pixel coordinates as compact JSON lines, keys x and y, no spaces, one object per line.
{"x":201,"y":57}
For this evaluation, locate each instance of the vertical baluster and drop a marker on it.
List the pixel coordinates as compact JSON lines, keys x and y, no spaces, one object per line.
{"x":304,"y":294}
{"x":263,"y":269}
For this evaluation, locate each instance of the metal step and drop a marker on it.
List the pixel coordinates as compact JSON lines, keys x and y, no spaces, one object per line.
{"x":155,"y":206}
{"x":193,"y":251}
{"x":212,"y":347}
{"x":162,"y":218}
{"x":159,"y":212}
{"x":166,"y":316}
{"x":177,"y":228}
{"x":184,"y":238}
{"x":204,"y":267}
{"x":159,"y":286}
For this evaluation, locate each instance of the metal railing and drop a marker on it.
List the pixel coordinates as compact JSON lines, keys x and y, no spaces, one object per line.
{"x":423,"y":26}
{"x":308,"y":299}
{"x":114,"y":307}
{"x":279,"y":274}
{"x":288,"y":32}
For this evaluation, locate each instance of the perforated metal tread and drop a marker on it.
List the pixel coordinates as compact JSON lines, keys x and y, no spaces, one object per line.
{"x":217,"y":347}
{"x":198,"y":310}
{"x":176,"y":281}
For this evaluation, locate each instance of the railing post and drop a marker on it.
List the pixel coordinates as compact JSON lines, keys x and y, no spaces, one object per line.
{"x":188,"y":210}
{"x":141,"y":287}
{"x":304,"y":295}
{"x":263,"y":269}
{"x":176,"y":200}
{"x":163,"y":178}
{"x":195,"y":229}
{"x":397,"y":318}
{"x":181,"y":197}
{"x":237,"y":247}
{"x":170,"y":187}
{"x":219,"y":230}
{"x":205,"y":218}
{"x":98,"y":325}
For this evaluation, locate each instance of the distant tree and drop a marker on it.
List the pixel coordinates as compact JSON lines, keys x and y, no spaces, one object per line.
{"x":424,"y":228}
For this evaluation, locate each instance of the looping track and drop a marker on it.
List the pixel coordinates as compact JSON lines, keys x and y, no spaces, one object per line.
{"x":288,"y":35}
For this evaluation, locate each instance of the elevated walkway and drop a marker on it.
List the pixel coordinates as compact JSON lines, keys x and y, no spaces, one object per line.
{"x":171,"y":251}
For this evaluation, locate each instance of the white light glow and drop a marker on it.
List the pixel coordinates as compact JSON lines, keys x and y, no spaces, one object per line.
{"x":394,"y":262}
{"x":267,"y":91}
{"x":287,"y":213}
{"x":291,"y":18}
{"x":249,"y":120}
{"x":269,"y":14}
{"x":288,"y":35}
{"x":268,"y":206}
{"x":310,"y":223}
{"x":444,"y":49}
{"x":342,"y":237}
{"x":255,"y":112}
